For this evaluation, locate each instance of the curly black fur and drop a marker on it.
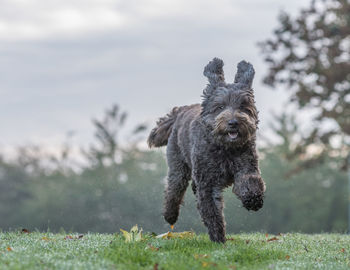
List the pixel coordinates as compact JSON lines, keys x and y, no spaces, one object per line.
{"x":213,"y":143}
{"x":160,"y":134}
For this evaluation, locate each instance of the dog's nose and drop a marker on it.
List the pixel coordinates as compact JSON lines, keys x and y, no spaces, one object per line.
{"x":233,"y":122}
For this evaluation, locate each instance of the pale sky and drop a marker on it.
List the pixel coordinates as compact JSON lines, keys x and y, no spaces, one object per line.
{"x":64,"y":62}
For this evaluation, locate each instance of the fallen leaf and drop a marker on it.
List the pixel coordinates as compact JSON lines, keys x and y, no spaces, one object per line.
{"x":272,"y":239}
{"x":45,"y":238}
{"x":25,"y":231}
{"x":197,"y":256}
{"x":266,"y":235}
{"x":247,"y":242}
{"x":69,"y":237}
{"x":287,"y":257}
{"x":205,"y":264}
{"x":126,"y":235}
{"x":134,"y":229}
{"x":342,"y":250}
{"x":133,"y":236}
{"x":155,"y":267}
{"x":153,"y":248}
{"x":230,"y":239}
{"x":166,"y":235}
{"x":182,"y":235}
{"x":9,"y":249}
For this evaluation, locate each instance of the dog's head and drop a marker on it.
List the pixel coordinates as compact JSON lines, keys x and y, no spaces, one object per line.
{"x":228,"y":110}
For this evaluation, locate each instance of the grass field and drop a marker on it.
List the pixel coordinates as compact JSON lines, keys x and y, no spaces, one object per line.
{"x":106,"y":251}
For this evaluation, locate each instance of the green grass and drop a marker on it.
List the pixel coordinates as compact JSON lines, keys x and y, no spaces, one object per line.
{"x":105,"y":251}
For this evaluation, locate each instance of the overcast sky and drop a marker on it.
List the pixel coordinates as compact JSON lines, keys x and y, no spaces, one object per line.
{"x":64,"y":62}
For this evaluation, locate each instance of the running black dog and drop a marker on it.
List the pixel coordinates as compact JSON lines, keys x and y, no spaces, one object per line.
{"x":213,"y":143}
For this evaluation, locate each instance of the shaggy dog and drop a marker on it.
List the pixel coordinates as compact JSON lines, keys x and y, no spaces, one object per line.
{"x":213,"y":143}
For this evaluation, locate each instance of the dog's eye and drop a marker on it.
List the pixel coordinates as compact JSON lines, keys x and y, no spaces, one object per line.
{"x":218,"y":108}
{"x":243,"y":108}
{"x":244,"y":105}
{"x":246,"y":109}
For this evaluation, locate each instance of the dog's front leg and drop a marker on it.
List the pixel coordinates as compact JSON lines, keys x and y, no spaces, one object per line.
{"x":248,"y":184}
{"x":210,"y":206}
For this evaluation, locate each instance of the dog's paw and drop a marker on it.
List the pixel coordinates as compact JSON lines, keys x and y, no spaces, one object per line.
{"x":253,"y":202}
{"x":218,"y":238}
{"x":171,"y":217}
{"x":250,"y":189}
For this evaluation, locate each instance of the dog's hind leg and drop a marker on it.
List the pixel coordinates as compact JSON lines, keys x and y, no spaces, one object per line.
{"x":178,"y":177}
{"x":210,"y":206}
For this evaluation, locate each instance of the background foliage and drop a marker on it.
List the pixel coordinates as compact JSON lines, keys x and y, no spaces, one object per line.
{"x":112,"y":191}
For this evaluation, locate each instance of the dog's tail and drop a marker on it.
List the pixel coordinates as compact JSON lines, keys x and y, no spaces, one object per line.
{"x":160,"y":134}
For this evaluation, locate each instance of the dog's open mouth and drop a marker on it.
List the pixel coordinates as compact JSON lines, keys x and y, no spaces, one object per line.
{"x":233,"y":135}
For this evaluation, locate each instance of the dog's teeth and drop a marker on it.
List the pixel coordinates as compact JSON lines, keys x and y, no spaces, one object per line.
{"x":233,"y":135}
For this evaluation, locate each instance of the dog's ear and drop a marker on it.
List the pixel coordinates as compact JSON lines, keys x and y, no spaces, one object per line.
{"x":214,"y":72}
{"x":245,"y":73}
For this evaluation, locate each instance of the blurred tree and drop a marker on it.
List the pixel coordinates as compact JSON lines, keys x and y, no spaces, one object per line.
{"x":310,"y":55}
{"x":104,"y":152}
{"x":14,"y":191}
{"x":300,"y":198}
